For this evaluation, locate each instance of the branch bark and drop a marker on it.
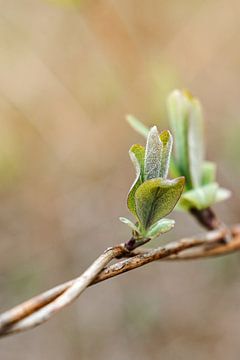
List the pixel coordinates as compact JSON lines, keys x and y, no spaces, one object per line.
{"x":40,"y":308}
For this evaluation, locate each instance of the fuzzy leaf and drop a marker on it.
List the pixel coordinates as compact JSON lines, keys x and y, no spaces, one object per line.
{"x":178,"y":111}
{"x":137,"y":125}
{"x":161,"y":227}
{"x":156,"y":198}
{"x":195,"y":140}
{"x":129,"y":223}
{"x":173,"y":169}
{"x":208,"y":172}
{"x":222,"y":194}
{"x":152,"y":155}
{"x":167,"y":141}
{"x":199,"y":198}
{"x":137,"y":154}
{"x":187,"y":123}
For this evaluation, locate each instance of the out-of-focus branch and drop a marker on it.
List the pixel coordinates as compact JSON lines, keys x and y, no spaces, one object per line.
{"x":40,"y":308}
{"x":220,"y":250}
{"x":207,"y":218}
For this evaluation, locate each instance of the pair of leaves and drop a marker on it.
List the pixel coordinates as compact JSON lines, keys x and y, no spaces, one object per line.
{"x":150,"y":164}
{"x":152,"y":196}
{"x":161,"y":227}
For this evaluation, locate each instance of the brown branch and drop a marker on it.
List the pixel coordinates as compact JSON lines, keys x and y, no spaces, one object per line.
{"x":40,"y":308}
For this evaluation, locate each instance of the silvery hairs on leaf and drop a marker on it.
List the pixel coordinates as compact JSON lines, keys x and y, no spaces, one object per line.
{"x":167,"y":142}
{"x":152,"y":163}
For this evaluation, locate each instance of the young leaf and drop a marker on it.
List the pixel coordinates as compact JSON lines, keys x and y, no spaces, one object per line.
{"x":137,"y":125}
{"x":199,"y":198}
{"x":178,"y":111}
{"x":161,"y":227}
{"x":167,"y":141}
{"x":222,"y":194}
{"x":174,"y":171}
{"x":156,"y":198}
{"x":137,"y":154}
{"x":129,"y":223}
{"x":152,"y":155}
{"x":195,"y":140}
{"x":208,"y":172}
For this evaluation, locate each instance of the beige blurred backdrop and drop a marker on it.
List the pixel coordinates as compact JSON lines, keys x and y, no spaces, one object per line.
{"x":69,"y":72}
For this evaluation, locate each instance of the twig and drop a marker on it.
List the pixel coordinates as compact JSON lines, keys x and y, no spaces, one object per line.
{"x":40,"y":308}
{"x":220,"y":250}
{"x":9,"y":321}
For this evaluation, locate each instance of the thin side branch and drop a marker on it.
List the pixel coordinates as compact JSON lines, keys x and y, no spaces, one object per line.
{"x":40,"y":308}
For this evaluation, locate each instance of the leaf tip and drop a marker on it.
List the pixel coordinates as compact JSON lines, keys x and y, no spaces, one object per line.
{"x":181,"y":180}
{"x":137,"y":125}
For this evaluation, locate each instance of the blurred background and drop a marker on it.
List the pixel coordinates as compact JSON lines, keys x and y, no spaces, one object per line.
{"x":69,"y":73}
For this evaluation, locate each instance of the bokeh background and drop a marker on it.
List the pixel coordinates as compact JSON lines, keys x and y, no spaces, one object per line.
{"x":69,"y":72}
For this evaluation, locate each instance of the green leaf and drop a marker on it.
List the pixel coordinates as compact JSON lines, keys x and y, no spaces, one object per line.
{"x":137,"y":125}
{"x":195,"y":140}
{"x":208,"y":172}
{"x":156,"y":198}
{"x":199,"y":198}
{"x":173,"y":169}
{"x":161,"y":227}
{"x":129,"y":223}
{"x":222,"y":194}
{"x":178,"y":112}
{"x":152,"y":161}
{"x":167,"y":141}
{"x":137,"y":154}
{"x":186,"y":120}
{"x":138,"y":159}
